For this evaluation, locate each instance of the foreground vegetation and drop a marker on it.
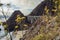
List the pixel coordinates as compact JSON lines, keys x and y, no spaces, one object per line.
{"x":49,"y":29}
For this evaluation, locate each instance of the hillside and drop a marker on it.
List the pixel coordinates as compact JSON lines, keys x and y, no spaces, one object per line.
{"x":17,"y":19}
{"x":47,"y":27}
{"x":44,"y":8}
{"x":42,"y":24}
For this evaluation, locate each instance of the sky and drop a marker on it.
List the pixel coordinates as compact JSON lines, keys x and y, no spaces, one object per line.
{"x":25,"y":6}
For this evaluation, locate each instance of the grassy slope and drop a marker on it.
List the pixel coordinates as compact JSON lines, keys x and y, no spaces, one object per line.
{"x":49,"y":32}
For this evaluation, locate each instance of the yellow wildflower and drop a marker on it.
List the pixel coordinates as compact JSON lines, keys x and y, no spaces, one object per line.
{"x":59,"y":6}
{"x":54,"y":10}
{"x":5,"y":26}
{"x":23,"y":17}
{"x":25,"y":25}
{"x":18,"y":19}
{"x":45,"y":8}
{"x":16,"y":26}
{"x":56,"y":1}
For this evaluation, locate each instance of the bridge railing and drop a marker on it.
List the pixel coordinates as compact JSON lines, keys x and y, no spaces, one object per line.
{"x":32,"y":19}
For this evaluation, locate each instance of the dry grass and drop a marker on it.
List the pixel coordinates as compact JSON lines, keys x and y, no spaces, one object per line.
{"x":50,"y":28}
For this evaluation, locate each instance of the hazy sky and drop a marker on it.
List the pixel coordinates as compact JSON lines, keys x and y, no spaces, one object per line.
{"x":25,"y":6}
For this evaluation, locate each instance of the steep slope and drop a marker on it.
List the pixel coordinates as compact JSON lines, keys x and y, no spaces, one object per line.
{"x":16,"y":21}
{"x":47,"y":27}
{"x":11,"y":21}
{"x":44,"y":8}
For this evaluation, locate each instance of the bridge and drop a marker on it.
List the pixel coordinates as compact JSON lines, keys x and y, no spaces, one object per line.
{"x":32,"y":19}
